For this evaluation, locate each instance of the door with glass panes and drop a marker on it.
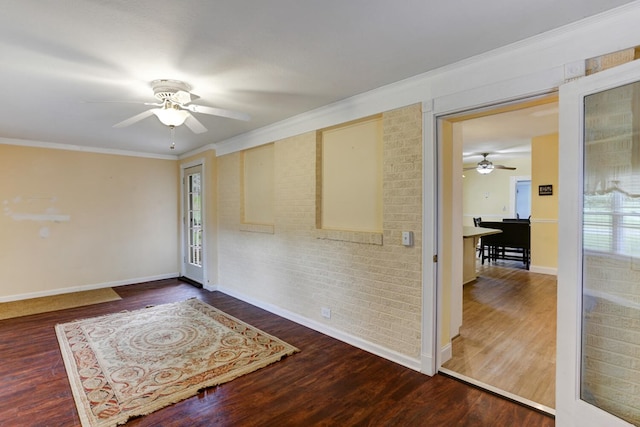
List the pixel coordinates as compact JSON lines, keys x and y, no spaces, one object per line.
{"x":193,"y":224}
{"x":598,"y":354}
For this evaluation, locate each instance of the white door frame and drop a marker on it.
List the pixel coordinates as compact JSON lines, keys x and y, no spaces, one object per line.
{"x":501,"y":93}
{"x":430,"y":349}
{"x":571,"y":410}
{"x":197,"y":162}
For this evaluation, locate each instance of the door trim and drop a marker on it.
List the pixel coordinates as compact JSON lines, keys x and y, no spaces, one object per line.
{"x":430,"y":352}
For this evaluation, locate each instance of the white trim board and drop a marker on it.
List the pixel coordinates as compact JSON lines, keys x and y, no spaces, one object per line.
{"x":89,"y":287}
{"x":197,"y":151}
{"x":84,"y":149}
{"x":446,"y":353}
{"x":553,"y":271}
{"x":360,"y":343}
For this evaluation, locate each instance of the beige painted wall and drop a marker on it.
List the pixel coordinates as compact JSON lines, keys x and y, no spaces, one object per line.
{"x":374,"y":290}
{"x":258,"y":185}
{"x":357,"y":206}
{"x":209,"y":161}
{"x":76,"y":219}
{"x":544,"y":209}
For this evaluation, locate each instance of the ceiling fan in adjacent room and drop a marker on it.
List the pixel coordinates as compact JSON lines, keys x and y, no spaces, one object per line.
{"x":484,"y":166}
{"x":174,"y":107}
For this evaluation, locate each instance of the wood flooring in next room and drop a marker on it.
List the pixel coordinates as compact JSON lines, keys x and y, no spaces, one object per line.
{"x":329,"y":383}
{"x":508,"y":333}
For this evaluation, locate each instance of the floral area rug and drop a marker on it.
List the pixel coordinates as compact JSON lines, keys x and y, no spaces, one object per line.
{"x":133,"y":363}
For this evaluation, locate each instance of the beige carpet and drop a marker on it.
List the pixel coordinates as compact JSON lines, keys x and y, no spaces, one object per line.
{"x":133,"y":363}
{"x":31,"y":306}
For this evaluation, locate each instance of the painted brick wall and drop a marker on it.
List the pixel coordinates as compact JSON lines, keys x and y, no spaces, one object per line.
{"x":374,"y":290}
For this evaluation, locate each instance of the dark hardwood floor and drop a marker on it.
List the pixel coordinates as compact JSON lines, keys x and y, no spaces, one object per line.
{"x":328,"y":383}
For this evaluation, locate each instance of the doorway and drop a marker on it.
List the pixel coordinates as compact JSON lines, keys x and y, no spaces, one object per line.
{"x":493,"y":297}
{"x":523,"y":199}
{"x":193,"y":228}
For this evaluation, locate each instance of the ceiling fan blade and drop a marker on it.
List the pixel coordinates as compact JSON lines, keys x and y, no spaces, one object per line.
{"x":218,"y":112}
{"x":470,"y":168}
{"x":134,"y":119}
{"x":195,"y":125}
{"x":503,"y":167}
{"x":112,"y":102}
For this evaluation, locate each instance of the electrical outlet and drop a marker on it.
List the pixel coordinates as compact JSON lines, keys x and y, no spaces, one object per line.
{"x":326,"y":312}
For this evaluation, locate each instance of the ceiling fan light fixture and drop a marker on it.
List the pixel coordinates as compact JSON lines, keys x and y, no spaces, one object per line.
{"x":171,"y":116}
{"x":484,"y":167}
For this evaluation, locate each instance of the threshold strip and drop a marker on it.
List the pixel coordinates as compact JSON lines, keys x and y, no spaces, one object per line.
{"x":497,"y":391}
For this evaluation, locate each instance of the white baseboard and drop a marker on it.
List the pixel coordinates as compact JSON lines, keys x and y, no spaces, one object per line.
{"x":362,"y":344}
{"x":428,"y":365}
{"x":210,"y":287}
{"x":543,"y":270}
{"x":445,"y":353}
{"x":60,"y":291}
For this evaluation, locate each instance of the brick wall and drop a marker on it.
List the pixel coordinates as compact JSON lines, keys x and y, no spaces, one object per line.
{"x":372,"y":284}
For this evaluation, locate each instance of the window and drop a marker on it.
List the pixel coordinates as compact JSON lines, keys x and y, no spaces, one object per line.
{"x":612,"y":181}
{"x":612,"y":223}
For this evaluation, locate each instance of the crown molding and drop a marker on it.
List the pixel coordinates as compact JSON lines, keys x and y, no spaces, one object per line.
{"x":196,"y":151}
{"x":395,"y":95}
{"x":82,"y":148}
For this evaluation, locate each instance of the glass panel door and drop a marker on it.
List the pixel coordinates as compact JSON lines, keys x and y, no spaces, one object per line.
{"x":598,"y":358}
{"x":610,"y":349}
{"x":193,"y":226}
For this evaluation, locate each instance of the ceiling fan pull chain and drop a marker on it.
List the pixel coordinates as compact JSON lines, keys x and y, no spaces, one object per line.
{"x":173,"y":137}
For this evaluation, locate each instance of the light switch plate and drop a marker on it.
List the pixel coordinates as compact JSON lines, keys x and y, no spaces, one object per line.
{"x":407,"y":238}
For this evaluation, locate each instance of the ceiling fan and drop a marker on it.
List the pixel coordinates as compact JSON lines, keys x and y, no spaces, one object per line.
{"x":174,"y":107}
{"x":485,"y":166}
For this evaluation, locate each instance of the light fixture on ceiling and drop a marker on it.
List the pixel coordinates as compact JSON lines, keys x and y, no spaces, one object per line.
{"x":175,"y":108}
{"x":484,"y":166}
{"x":170,"y":114}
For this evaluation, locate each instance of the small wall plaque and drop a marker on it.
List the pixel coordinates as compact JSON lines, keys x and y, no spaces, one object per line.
{"x":545,"y":190}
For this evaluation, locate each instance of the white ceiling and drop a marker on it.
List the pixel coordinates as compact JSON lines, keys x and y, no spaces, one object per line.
{"x":271,"y":59}
{"x":507,"y":135}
